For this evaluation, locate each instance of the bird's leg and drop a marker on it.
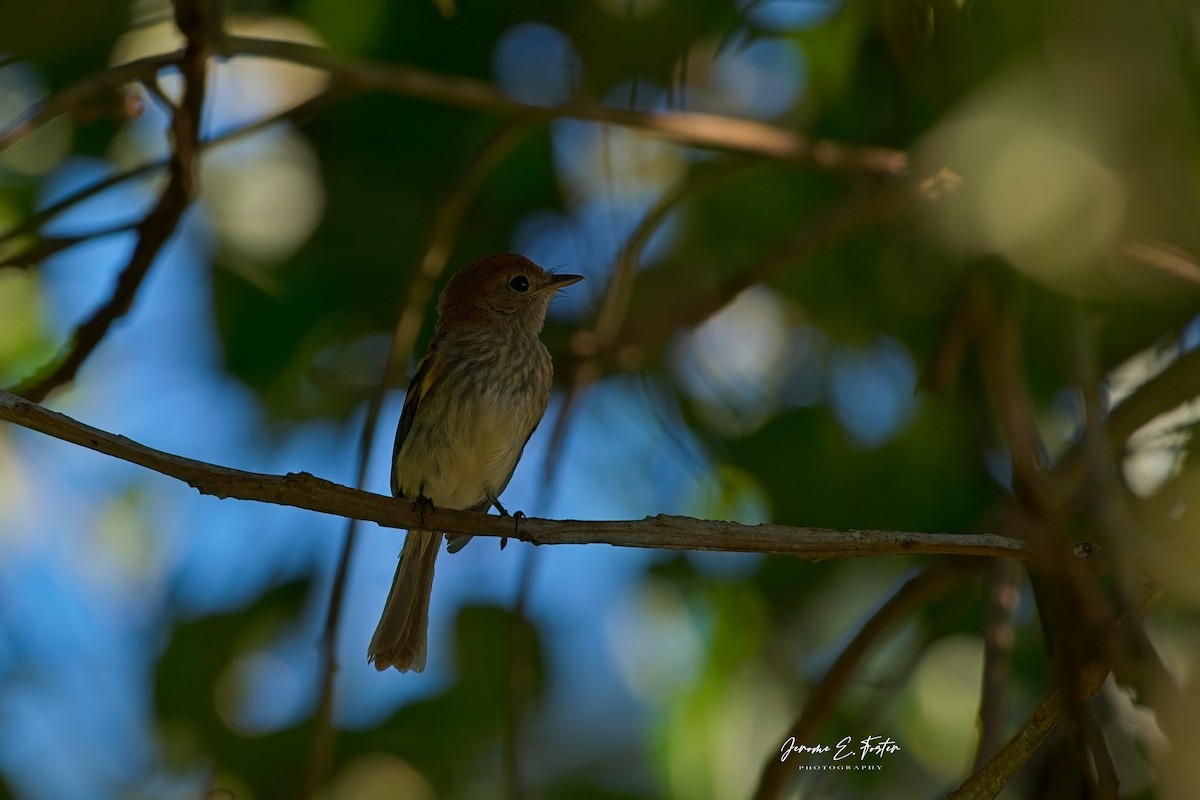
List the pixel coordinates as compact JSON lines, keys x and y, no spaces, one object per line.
{"x":423,"y":504}
{"x":504,"y":512}
{"x":496,"y":505}
{"x":516,"y":518}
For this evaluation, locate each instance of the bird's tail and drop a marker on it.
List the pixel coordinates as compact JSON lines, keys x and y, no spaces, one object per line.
{"x":400,"y":637}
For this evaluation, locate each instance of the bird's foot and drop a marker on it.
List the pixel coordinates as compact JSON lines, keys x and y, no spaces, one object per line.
{"x":496,"y":504}
{"x":424,"y":505}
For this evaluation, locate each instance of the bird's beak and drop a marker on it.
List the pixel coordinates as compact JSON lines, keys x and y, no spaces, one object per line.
{"x":557,"y":282}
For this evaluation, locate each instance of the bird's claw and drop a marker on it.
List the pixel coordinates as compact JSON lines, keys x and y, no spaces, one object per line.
{"x":517,"y":517}
{"x":422,"y":505}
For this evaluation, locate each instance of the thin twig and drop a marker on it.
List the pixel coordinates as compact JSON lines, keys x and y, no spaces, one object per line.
{"x":699,"y":130}
{"x":445,"y":228}
{"x":49,"y":246}
{"x":302,"y":490}
{"x":987,"y":783}
{"x":1002,"y":363}
{"x":84,"y":89}
{"x":588,"y":345}
{"x":615,"y":335}
{"x":1136,"y":661}
{"x":35,"y":221}
{"x":961,"y":331}
{"x":710,"y":131}
{"x":1073,"y":611}
{"x":1164,"y":257}
{"x":853,"y":214}
{"x":160,"y":222}
{"x":520,"y":678}
{"x":1178,"y":383}
{"x":998,"y":639}
{"x":776,"y":774}
{"x":1107,"y":781}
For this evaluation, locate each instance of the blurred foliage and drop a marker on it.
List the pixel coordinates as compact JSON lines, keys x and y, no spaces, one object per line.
{"x":1107,"y":95}
{"x":198,"y":727}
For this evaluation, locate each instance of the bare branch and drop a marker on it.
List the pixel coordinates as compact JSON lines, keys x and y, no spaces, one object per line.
{"x":302,"y":490}
{"x":1162,"y":256}
{"x":520,"y":679}
{"x":998,"y":640}
{"x":700,"y":130}
{"x":987,"y":782}
{"x":35,"y":221}
{"x":590,"y":345}
{"x":48,"y":246}
{"x":1178,"y":383}
{"x":853,"y":214}
{"x":1107,"y":781}
{"x":160,"y":222}
{"x":79,"y":92}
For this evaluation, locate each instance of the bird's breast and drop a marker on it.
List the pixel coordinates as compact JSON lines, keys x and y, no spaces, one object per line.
{"x":468,"y":435}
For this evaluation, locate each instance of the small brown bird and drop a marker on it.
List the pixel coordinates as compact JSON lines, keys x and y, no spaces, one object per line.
{"x":476,"y":398}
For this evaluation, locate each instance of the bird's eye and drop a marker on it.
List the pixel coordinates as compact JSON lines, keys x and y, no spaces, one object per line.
{"x":519,"y":284}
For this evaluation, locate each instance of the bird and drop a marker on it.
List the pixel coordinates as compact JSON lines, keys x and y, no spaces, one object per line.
{"x":475,"y":399}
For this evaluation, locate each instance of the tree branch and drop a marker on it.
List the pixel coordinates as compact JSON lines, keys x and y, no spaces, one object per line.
{"x":1178,"y":383}
{"x":989,"y":781}
{"x":48,"y":246}
{"x":856,"y":212}
{"x":1003,"y":590}
{"x":74,"y":95}
{"x":302,"y":490}
{"x":590,"y":345}
{"x":687,"y":128}
{"x":700,"y":130}
{"x":160,"y":222}
{"x":36,"y":220}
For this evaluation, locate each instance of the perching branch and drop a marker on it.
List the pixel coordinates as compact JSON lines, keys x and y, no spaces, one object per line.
{"x":302,"y":490}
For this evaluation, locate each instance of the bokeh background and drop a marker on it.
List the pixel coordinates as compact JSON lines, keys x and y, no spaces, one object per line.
{"x":892,"y":338}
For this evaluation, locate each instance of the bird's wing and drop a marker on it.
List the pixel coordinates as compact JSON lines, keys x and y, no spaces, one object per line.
{"x":419,"y":391}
